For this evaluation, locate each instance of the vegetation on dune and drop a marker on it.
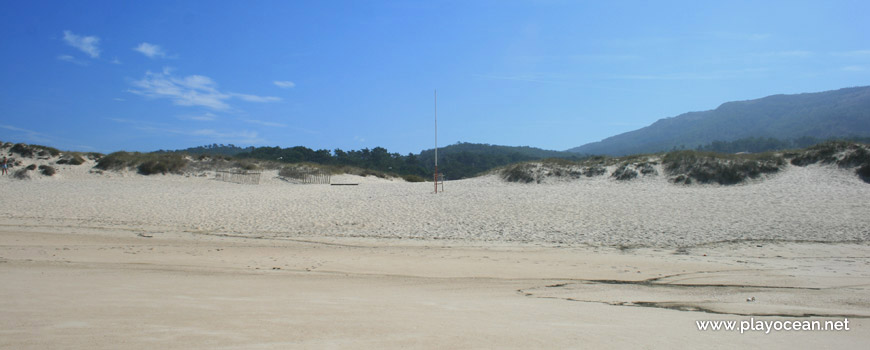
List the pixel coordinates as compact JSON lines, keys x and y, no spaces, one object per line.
{"x":22,"y":174}
{"x":71,"y":159}
{"x":843,"y":154}
{"x":300,"y":169}
{"x":766,"y":144}
{"x":47,"y":170}
{"x":683,"y":167}
{"x":29,"y":151}
{"x":145,"y":163}
{"x":457,"y":161}
{"x":413,"y":178}
{"x":522,"y":173}
{"x":698,"y":167}
{"x":724,"y":169}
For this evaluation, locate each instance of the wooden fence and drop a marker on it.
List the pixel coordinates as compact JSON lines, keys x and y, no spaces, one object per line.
{"x":239,"y":177}
{"x":307,"y":176}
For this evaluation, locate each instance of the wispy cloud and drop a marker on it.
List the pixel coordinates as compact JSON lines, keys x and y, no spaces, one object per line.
{"x":71,"y":59}
{"x":199,"y":117}
{"x":88,"y":44}
{"x":786,"y":54}
{"x":116,"y":61}
{"x":713,"y":75}
{"x":854,"y":68}
{"x":255,"y":98}
{"x":739,"y":36}
{"x":581,"y":57}
{"x":206,"y":135}
{"x":533,"y":78}
{"x":853,"y":53}
{"x":150,"y":50}
{"x":28,"y":135}
{"x":193,"y":90}
{"x":265,"y":123}
{"x":286,"y":84}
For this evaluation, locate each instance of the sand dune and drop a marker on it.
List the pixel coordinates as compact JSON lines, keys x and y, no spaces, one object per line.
{"x":120,"y":260}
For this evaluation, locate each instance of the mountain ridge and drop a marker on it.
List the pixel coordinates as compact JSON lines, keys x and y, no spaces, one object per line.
{"x":829,"y":114}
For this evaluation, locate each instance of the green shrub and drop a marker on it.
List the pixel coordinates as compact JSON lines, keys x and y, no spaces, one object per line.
{"x":145,"y":163}
{"x":22,"y":174}
{"x":47,"y":170}
{"x":521,"y":173}
{"x":23,"y":149}
{"x":858,"y":157}
{"x":31,"y":167}
{"x":247,"y":165}
{"x":115,"y":161}
{"x":724,"y":169}
{"x":594,"y":171}
{"x":26,"y":150}
{"x":864,"y":172}
{"x":413,"y":178}
{"x":823,"y":152}
{"x":165,"y":163}
{"x":71,"y":159}
{"x":76,"y":160}
{"x":624,"y":173}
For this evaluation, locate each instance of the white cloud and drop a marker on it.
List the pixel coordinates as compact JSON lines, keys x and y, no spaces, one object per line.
{"x":116,"y":61}
{"x":119,"y":99}
{"x":88,"y":44}
{"x":265,"y":123}
{"x":712,"y":75}
{"x":740,"y":36}
{"x":150,"y":50}
{"x":854,"y":68}
{"x":855,"y":53}
{"x":71,"y":59}
{"x":206,"y":135}
{"x":199,"y":117}
{"x":193,"y":90}
{"x":286,"y":84}
{"x":254,"y":98}
{"x":532,"y":78}
{"x":28,"y":135}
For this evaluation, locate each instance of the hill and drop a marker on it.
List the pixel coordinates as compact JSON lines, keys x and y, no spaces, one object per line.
{"x":457,"y":161}
{"x":463,"y":160}
{"x":823,"y":115}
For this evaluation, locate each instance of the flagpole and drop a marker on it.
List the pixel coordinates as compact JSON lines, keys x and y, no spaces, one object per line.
{"x":436,"y":141}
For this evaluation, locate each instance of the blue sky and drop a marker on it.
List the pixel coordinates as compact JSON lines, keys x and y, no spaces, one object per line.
{"x":147,"y":75}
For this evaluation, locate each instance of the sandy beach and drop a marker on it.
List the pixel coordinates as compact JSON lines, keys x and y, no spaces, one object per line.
{"x":119,"y":260}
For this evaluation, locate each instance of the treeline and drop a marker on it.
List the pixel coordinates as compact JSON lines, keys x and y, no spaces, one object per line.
{"x":457,"y":161}
{"x":463,"y":160}
{"x":377,"y":158}
{"x":764,"y":144}
{"x":214,"y":149}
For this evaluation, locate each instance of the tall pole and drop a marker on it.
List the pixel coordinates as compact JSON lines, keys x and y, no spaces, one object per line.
{"x":436,"y":141}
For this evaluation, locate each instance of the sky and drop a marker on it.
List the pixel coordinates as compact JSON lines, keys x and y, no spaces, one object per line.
{"x":146,"y":75}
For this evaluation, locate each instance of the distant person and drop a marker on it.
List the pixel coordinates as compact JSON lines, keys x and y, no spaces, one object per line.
{"x":5,"y":161}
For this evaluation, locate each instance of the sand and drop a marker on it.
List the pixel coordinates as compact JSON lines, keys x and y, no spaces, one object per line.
{"x":120,"y":260}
